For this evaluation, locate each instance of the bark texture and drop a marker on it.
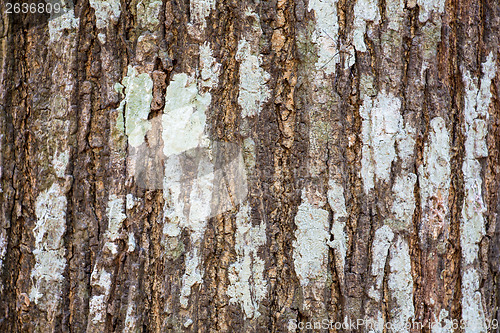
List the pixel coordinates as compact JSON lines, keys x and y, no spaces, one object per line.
{"x":251,"y":166}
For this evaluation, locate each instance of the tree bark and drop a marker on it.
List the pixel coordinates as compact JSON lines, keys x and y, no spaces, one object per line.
{"x":250,"y":166}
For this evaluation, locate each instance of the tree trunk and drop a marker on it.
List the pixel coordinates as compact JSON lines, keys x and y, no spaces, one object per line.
{"x":250,"y":166}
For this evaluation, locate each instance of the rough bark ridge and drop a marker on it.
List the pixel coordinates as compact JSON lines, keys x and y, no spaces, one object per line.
{"x":250,"y":166}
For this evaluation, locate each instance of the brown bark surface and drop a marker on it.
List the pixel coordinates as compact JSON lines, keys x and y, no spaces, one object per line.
{"x":368,"y":133}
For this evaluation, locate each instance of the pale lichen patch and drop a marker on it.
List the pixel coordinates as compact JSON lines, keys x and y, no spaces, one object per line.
{"x":59,"y":24}
{"x":3,"y":247}
{"x":131,"y":317}
{"x":474,"y":320}
{"x":188,"y":322}
{"x":3,"y":250}
{"x":174,"y":215}
{"x":429,"y":6}
{"x":477,"y":101}
{"x":400,"y":283}
{"x":188,"y":194}
{"x":442,"y":323}
{"x":381,"y":124}
{"x":326,"y":33}
{"x":380,"y":249}
{"x":210,"y":68}
{"x":102,"y":37}
{"x":200,"y":199}
{"x":148,"y":12}
{"x":434,"y":178}
{"x":191,"y":277}
{"x":403,"y":204}
{"x":253,"y":90}
{"x":50,"y":261}
{"x":249,"y":153}
{"x":100,"y":280}
{"x":200,"y":209}
{"x":247,"y":284}
{"x":336,"y":201}
{"x":364,"y":11}
{"x":367,"y":86}
{"x":184,"y":116}
{"x":131,"y":243}
{"x":431,"y":37}
{"x":310,"y":249}
{"x":395,"y":13}
{"x":97,"y":309}
{"x":137,"y":102}
{"x":489,"y":69}
{"x":106,"y":11}
{"x":405,"y":143}
{"x":199,"y":10}
{"x":472,"y":226}
{"x":116,"y":216}
{"x":131,"y":201}
{"x":194,"y":220}
{"x":59,"y":163}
